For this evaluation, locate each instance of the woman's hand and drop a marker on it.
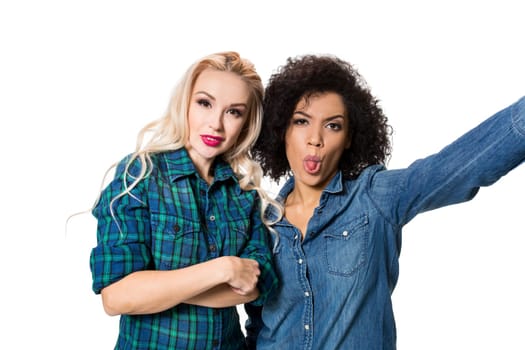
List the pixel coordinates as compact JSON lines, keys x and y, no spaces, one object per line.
{"x":241,"y":274}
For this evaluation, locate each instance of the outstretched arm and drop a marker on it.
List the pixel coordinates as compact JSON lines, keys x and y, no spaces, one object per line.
{"x":454,"y":175}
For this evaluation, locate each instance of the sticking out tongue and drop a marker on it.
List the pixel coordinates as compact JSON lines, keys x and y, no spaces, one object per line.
{"x":312,"y":166}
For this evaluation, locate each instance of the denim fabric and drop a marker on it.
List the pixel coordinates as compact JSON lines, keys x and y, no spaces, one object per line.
{"x":336,"y":284}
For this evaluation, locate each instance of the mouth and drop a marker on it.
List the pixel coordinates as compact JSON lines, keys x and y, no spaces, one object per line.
{"x":212,"y":141}
{"x":312,"y":164}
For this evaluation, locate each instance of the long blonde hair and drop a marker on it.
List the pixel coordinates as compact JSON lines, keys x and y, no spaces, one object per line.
{"x":170,"y":132}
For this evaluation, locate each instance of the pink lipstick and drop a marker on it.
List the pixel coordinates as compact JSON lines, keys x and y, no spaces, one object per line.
{"x":212,"y":141}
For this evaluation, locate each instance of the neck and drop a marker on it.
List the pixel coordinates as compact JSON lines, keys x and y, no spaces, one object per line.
{"x":203,"y":165}
{"x":205,"y":170}
{"x":303,"y":195}
{"x":300,"y":205}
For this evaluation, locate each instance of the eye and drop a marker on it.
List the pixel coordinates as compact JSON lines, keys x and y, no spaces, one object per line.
{"x":235,"y":111}
{"x":334,"y":126}
{"x":204,"y":102}
{"x":299,"y":121}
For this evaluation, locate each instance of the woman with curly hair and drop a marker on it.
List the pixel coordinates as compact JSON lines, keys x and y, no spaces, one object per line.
{"x":337,"y":246}
{"x":181,"y":239}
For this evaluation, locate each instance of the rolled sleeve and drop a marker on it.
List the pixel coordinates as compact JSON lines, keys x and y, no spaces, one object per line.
{"x":259,"y":249}
{"x":122,"y":232}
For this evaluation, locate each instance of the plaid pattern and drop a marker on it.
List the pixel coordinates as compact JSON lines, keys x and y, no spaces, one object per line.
{"x":171,"y":220}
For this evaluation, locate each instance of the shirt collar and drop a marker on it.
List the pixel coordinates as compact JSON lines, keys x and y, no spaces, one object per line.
{"x":179,"y":164}
{"x":334,"y":186}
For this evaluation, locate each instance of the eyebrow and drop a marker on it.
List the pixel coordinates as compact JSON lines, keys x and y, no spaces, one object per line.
{"x":204,"y":93}
{"x":241,"y":104}
{"x":327,"y":119}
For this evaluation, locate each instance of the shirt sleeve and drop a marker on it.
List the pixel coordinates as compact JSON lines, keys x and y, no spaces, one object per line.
{"x":259,"y":249}
{"x":122,"y":231}
{"x":478,"y":158}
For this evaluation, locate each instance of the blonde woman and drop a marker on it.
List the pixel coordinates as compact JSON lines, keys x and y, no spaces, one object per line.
{"x":180,"y":237}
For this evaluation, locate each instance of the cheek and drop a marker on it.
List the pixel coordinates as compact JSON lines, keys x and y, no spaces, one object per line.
{"x":293,"y":139}
{"x":292,"y":156}
{"x":338,"y":156}
{"x":234,"y":128}
{"x":293,"y":144}
{"x":336,"y":150}
{"x":192,"y":120}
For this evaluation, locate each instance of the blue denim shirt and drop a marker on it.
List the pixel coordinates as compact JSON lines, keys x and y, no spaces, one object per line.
{"x":336,"y":284}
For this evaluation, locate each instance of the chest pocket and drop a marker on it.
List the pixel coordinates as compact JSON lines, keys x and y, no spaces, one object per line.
{"x":233,"y":236}
{"x":176,"y":242}
{"x":345,"y":247}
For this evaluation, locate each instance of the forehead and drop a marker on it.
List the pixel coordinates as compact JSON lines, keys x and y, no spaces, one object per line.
{"x":222,"y":85}
{"x":326,"y":104}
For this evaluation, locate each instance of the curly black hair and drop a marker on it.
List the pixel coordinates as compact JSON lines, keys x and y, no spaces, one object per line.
{"x":303,"y":76}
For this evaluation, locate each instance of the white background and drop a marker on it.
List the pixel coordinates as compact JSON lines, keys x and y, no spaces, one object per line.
{"x":78,"y":79}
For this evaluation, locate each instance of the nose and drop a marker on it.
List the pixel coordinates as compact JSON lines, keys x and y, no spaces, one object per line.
{"x":315,"y":139}
{"x":215,"y":121}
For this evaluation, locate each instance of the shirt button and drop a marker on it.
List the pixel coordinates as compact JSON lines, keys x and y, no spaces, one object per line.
{"x":215,"y":342}
{"x":212,"y":218}
{"x":295,"y":237}
{"x":345,"y":233}
{"x":213,"y":248}
{"x":306,"y":294}
{"x":300,"y":261}
{"x":176,"y":228}
{"x":307,"y":327}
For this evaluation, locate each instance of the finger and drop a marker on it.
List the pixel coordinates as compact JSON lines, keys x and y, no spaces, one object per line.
{"x":238,"y":291}
{"x":253,"y":262}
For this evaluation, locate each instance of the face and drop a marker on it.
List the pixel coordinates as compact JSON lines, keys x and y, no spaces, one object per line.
{"x":217,"y":112}
{"x":316,"y":138}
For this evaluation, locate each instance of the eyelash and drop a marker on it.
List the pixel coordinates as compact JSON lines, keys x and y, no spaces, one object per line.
{"x":236,"y":112}
{"x":207,"y":104}
{"x":299,"y":121}
{"x":333,"y":126}
{"x":203,"y":102}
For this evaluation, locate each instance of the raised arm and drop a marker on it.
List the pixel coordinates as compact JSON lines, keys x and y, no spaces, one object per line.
{"x":479,"y":158}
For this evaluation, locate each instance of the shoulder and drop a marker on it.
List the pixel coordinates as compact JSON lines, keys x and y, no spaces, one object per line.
{"x":143,"y":166}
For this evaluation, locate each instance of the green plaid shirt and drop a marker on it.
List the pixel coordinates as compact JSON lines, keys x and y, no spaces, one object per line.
{"x":174,"y":219}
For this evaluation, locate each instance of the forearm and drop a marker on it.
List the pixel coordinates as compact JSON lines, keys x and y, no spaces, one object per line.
{"x":222,"y":296}
{"x":145,"y":292}
{"x":478,"y":158}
